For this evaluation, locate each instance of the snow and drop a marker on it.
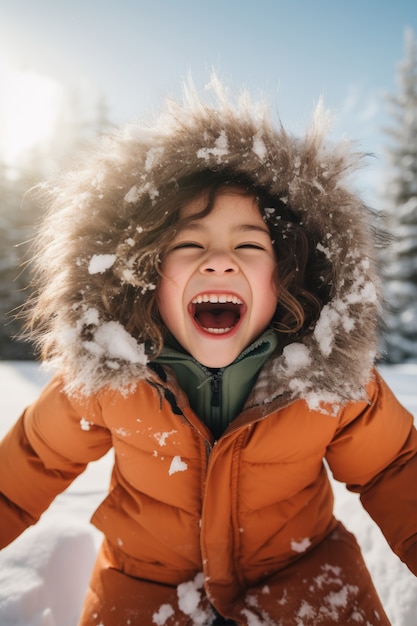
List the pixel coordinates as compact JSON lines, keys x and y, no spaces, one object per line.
{"x":99,"y":263}
{"x":135,"y":193}
{"x":177,"y":465}
{"x":163,"y":614}
{"x":113,"y":340}
{"x":259,"y":147}
{"x":153,"y":155}
{"x":45,"y":572}
{"x":300,"y":546}
{"x":132,"y":195}
{"x":162,"y":437}
{"x":189,"y":598}
{"x":85,"y":424}
{"x":220,"y":150}
{"x":296,"y":356}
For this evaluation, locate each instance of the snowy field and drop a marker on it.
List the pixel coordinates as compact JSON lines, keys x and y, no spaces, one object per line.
{"x":44,"y":573}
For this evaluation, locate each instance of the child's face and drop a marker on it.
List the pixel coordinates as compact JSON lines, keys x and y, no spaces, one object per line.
{"x":218,"y":291}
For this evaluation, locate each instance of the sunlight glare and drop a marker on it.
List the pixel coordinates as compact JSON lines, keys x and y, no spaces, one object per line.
{"x":29,"y":107}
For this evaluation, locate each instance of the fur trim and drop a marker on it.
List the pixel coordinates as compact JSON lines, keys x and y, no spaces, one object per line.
{"x":90,"y":207}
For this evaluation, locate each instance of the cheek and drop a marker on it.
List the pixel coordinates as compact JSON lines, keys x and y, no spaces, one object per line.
{"x":169,"y":297}
{"x":164,"y":297}
{"x":267,"y":276}
{"x":268,"y":290}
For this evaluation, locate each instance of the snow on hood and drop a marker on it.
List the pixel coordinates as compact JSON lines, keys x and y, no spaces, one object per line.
{"x":130,"y":167}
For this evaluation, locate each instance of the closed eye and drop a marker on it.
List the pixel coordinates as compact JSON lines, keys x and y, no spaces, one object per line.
{"x":187,"y":244}
{"x":253,"y":246}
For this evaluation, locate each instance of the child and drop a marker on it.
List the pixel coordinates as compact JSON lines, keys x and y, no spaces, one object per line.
{"x":207,"y":290}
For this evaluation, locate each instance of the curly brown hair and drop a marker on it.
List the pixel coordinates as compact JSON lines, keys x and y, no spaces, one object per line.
{"x":303,"y":272}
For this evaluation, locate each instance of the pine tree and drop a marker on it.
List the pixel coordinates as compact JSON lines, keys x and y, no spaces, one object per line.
{"x":19,"y":214}
{"x":400,"y":199}
{"x":16,"y":229}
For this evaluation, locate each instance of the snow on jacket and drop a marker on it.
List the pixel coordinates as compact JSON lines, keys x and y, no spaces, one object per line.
{"x":243,"y":507}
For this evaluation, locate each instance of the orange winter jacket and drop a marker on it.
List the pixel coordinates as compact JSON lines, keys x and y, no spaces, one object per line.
{"x":239,"y":509}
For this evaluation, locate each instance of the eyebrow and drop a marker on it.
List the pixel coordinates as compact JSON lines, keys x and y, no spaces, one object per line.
{"x":195,"y":225}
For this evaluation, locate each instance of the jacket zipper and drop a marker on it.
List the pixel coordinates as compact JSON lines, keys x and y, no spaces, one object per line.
{"x":216,"y":403}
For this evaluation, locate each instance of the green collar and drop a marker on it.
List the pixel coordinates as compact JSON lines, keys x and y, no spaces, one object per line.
{"x":217,"y":396}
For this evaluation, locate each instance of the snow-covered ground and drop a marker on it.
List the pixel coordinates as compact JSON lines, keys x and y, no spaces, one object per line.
{"x":44,"y":573}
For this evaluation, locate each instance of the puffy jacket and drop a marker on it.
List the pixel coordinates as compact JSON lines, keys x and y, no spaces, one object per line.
{"x":239,"y":510}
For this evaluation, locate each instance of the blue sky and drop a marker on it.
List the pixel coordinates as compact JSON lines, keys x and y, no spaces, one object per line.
{"x":135,"y":52}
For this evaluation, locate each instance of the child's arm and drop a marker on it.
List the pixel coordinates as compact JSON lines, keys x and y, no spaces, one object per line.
{"x":391,"y":500}
{"x":375,"y":454}
{"x":48,"y":447}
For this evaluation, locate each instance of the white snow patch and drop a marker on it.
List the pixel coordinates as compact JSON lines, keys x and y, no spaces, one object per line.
{"x":340,"y":598}
{"x":37,"y":584}
{"x":331,"y":575}
{"x":177,"y":465}
{"x":99,"y":263}
{"x":164,"y":612}
{"x":85,"y":424}
{"x":122,"y":431}
{"x":259,"y":147}
{"x":135,"y":193}
{"x":297,"y":356}
{"x":220,"y":150}
{"x":325,"y":251}
{"x":365,"y":293}
{"x":336,"y":600}
{"x":324,"y":330}
{"x":321,"y":401}
{"x":189,"y":598}
{"x":305,"y":611}
{"x":162,"y":437}
{"x":152,"y":157}
{"x":113,"y":340}
{"x":90,"y":317}
{"x":340,"y":313}
{"x":300,"y":546}
{"x":132,"y":195}
{"x":151,"y":190}
{"x":128,"y":276}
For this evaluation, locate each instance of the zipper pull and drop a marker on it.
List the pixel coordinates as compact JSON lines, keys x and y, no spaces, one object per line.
{"x":215,"y":391}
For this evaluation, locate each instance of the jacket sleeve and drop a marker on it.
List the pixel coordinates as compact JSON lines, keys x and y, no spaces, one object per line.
{"x":375,"y":453}
{"x":48,"y":447}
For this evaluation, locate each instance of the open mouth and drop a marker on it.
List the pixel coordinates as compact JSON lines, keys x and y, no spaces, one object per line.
{"x":217,"y":314}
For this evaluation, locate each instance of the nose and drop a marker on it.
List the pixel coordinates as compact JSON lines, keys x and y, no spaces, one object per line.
{"x":218,"y":262}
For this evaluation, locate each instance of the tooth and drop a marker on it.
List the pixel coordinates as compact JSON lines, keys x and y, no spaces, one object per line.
{"x":214,"y":298}
{"x":217,"y":331}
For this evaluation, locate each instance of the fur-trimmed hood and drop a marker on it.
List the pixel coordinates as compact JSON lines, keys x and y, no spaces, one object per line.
{"x":86,"y":240}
